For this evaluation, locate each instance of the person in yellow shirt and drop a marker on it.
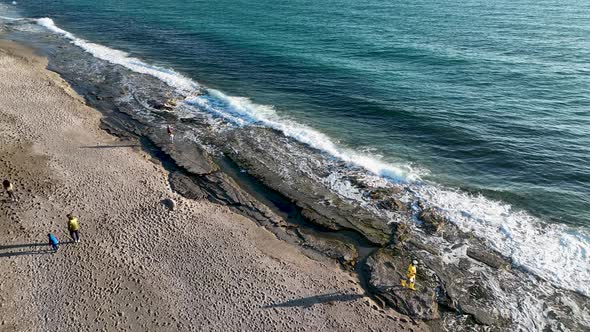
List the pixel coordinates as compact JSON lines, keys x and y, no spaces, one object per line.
{"x":410,"y":283}
{"x":74,"y":227}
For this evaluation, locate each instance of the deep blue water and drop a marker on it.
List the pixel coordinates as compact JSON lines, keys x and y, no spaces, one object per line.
{"x":486,"y":96}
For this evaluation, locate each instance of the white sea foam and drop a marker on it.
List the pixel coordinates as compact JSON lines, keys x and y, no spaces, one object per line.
{"x":6,"y":18}
{"x":242,"y":111}
{"x":239,"y":110}
{"x":554,"y":252}
{"x":168,"y":76}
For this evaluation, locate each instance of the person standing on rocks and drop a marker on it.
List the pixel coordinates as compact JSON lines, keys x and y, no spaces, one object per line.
{"x":410,"y":283}
{"x":170,"y":133}
{"x":74,"y":227}
{"x":53,"y":242}
{"x":9,"y":188}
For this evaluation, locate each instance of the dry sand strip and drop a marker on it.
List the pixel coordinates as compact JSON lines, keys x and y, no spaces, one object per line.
{"x":139,"y":266}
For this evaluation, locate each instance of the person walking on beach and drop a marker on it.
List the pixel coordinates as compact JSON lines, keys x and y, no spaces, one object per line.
{"x":74,"y":227}
{"x":53,"y":242}
{"x":170,"y":133}
{"x":9,"y":188}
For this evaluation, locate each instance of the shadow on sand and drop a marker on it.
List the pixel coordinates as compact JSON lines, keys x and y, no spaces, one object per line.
{"x":25,"y":253}
{"x":33,"y":249}
{"x":110,"y":146}
{"x":307,"y":302}
{"x":8,"y":201}
{"x":24,"y":245}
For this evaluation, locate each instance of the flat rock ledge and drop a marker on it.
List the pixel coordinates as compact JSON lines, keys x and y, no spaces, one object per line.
{"x":386,"y":269}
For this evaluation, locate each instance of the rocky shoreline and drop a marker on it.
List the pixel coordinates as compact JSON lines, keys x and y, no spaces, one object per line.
{"x":443,"y":289}
{"x":477,"y":289}
{"x":141,"y":266}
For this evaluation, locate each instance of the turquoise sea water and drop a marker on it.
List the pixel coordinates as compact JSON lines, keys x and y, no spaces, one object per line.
{"x":489,"y":97}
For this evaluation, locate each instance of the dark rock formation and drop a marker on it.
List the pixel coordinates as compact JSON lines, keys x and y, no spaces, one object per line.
{"x":472,"y":295}
{"x":344,"y":252}
{"x":318,"y":204}
{"x":186,"y":186}
{"x":187,"y":154}
{"x":402,"y":234}
{"x":462,"y":287}
{"x":433,"y":220}
{"x":384,"y":193}
{"x":393,"y":204}
{"x":490,"y":258}
{"x":169,"y":203}
{"x":386,"y":270}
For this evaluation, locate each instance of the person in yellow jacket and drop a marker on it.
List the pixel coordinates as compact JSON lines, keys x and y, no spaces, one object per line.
{"x":410,"y":283}
{"x":74,"y":227}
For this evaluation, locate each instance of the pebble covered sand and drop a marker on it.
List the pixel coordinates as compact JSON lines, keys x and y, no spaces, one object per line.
{"x":139,"y":266}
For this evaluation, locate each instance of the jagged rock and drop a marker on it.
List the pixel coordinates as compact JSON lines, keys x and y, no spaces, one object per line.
{"x":223,"y":189}
{"x":357,"y":182}
{"x":433,"y":220}
{"x":158,"y":105}
{"x":465,"y":289}
{"x":379,"y":193}
{"x":344,"y":252}
{"x":475,"y":298}
{"x":185,"y":186}
{"x":385,"y":193}
{"x":169,"y":203}
{"x":374,"y":230}
{"x":393,"y":204}
{"x":402,"y":234}
{"x":416,"y":245}
{"x":188,"y":155}
{"x":490,"y":258}
{"x":317,"y":203}
{"x":386,"y":270}
{"x":315,"y":218}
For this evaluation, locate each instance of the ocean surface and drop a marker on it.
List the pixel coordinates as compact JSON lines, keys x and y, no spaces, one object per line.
{"x":484,"y":105}
{"x":489,"y":97}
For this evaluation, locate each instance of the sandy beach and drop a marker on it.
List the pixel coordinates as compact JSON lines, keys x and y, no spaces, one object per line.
{"x":139,"y":266}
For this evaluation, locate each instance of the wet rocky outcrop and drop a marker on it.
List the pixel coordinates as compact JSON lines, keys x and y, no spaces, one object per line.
{"x":453,"y":287}
{"x":188,"y":155}
{"x":433,"y":220}
{"x":490,"y":258}
{"x":199,"y":177}
{"x":386,"y":269}
{"x":345,"y":252}
{"x":463,"y":286}
{"x":319,"y":205}
{"x":216,"y":187}
{"x":402,"y":233}
{"x":393,"y":204}
{"x":379,"y":193}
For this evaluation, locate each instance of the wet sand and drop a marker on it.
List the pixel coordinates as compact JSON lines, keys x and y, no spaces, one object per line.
{"x":139,"y":266}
